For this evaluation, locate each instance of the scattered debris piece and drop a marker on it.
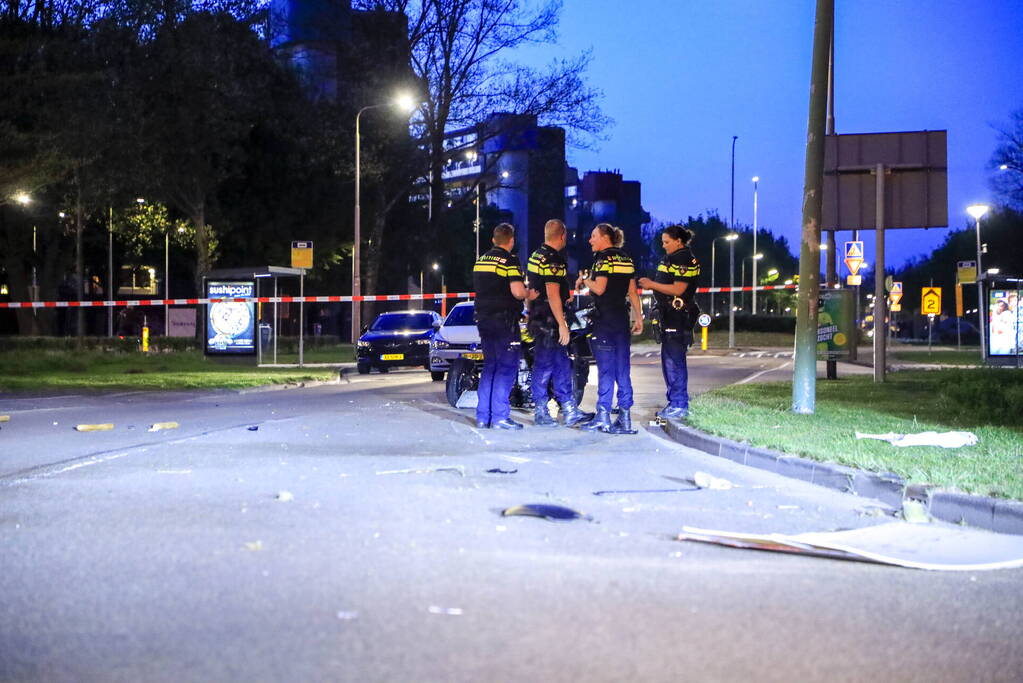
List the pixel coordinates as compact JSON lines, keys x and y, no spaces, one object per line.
{"x":605,"y":493}
{"x":707,"y":481}
{"x":254,"y":546}
{"x":285,"y":496}
{"x":545,"y":510}
{"x":253,"y":428}
{"x":498,"y":470}
{"x":5,"y":418}
{"x":788,"y":507}
{"x":457,"y":469}
{"x":347,"y":615}
{"x":915,"y":512}
{"x":173,"y":471}
{"x":514,"y":458}
{"x":501,"y":527}
{"x":942,"y":439}
{"x":874,"y":511}
{"x":914,"y":546}
{"x":94,"y":428}
{"x":450,"y":611}
{"x":160,"y":426}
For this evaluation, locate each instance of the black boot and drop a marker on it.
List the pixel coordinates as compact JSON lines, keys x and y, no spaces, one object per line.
{"x":600,"y":423}
{"x":542,"y":418}
{"x":571,"y":415}
{"x":623,"y":425}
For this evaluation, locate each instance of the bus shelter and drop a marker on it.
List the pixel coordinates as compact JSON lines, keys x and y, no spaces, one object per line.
{"x":236,"y":328}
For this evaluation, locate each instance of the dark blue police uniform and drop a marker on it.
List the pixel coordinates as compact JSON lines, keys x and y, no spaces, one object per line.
{"x":497,"y":316}
{"x":676,"y":316}
{"x":611,"y":336}
{"x":551,"y":364}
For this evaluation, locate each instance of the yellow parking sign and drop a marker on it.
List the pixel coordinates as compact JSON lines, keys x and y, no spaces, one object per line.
{"x":301,"y":254}
{"x":930,"y":301}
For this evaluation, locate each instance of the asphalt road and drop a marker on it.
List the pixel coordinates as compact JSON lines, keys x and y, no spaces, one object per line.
{"x":128,"y":555}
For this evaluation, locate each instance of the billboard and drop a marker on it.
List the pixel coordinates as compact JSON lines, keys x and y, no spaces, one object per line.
{"x":1005,"y":322}
{"x":231,"y":325}
{"x":836,"y":327}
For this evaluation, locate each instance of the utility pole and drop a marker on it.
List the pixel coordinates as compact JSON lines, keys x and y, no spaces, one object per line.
{"x":804,"y":376}
{"x":831,"y":257}
{"x":731,"y":259}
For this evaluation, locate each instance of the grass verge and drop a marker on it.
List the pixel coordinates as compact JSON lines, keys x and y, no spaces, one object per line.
{"x":983,"y":401}
{"x":942,"y":357}
{"x":61,"y":370}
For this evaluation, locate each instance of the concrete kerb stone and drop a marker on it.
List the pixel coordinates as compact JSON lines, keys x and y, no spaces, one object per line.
{"x":994,"y":514}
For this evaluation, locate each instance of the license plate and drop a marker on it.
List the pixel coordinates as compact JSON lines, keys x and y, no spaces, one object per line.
{"x":472,"y":356}
{"x":393,"y":356}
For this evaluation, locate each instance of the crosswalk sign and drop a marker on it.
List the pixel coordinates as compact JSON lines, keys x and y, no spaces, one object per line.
{"x":895,"y":297}
{"x":930,"y":301}
{"x":853,"y":256}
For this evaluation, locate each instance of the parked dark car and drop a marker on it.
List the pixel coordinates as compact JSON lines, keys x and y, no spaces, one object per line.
{"x":397,"y":339}
{"x":945,"y":331}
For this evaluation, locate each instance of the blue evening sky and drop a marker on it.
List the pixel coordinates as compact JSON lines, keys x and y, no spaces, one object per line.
{"x":681,"y":77}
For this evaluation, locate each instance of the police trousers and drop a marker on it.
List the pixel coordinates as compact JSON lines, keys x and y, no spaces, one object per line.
{"x":612,"y":346}
{"x":501,"y":351}
{"x":551,"y":365}
{"x":674,"y":346}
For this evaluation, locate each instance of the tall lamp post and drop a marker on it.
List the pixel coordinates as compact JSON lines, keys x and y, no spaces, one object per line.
{"x":405,"y":103}
{"x":731,"y":259}
{"x":978,"y":211}
{"x":756,"y":181}
{"x":443,"y":290}
{"x":742,"y":277}
{"x":713,"y":263}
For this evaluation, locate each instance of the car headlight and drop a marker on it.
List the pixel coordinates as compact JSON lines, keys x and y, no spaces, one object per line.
{"x":362,"y":344}
{"x":440,"y":343}
{"x":422,"y":342}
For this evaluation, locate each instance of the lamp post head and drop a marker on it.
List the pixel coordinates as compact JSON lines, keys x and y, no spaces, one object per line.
{"x":757,"y":256}
{"x":772,"y":271}
{"x":436,"y":266}
{"x":23,"y":198}
{"x":140,"y":200}
{"x":978,"y":210}
{"x":1003,"y":167}
{"x":405,"y":102}
{"x":732,"y":236}
{"x":756,"y":179}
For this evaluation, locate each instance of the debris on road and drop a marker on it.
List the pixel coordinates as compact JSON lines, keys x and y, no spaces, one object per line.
{"x":707,"y":481}
{"x":544,"y":510}
{"x":5,"y":418}
{"x":941,"y":439}
{"x":253,"y":428}
{"x":457,"y":469}
{"x":285,"y":496}
{"x":254,"y":546}
{"x":347,"y":615}
{"x":498,"y":470}
{"x":606,"y":493}
{"x":788,"y":507}
{"x":94,"y":428}
{"x":450,"y":611}
{"x":160,"y":426}
{"x":173,"y":471}
{"x":913,"y":546}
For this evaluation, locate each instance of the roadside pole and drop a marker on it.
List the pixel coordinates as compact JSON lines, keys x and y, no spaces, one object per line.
{"x":804,"y":375}
{"x":880,"y":297}
{"x":831,"y":257}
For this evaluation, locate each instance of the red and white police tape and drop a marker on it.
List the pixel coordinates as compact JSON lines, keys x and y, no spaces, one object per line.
{"x":304,"y":299}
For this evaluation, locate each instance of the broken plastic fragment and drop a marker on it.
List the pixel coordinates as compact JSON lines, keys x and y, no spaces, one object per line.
{"x":498,"y":470}
{"x":347,"y":615}
{"x":94,"y":428}
{"x":545,"y":510}
{"x":285,"y":496}
{"x":254,"y":545}
{"x":253,"y":428}
{"x":159,"y":426}
{"x":706,"y":481}
{"x":5,"y":418}
{"x":450,"y":611}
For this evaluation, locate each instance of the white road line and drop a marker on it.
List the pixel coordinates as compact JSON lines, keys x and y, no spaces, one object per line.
{"x":763,"y":372}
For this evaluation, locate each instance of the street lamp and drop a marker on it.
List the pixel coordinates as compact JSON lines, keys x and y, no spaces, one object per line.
{"x":756,"y":181}
{"x":978,"y":211}
{"x":731,"y":259}
{"x":404,"y":102}
{"x":166,"y":279}
{"x":713,"y":263}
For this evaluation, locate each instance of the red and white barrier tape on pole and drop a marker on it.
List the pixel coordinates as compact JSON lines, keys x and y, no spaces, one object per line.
{"x":302,"y":299}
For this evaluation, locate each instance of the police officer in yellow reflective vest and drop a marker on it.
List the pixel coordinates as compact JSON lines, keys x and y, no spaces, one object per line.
{"x":500,"y":290}
{"x":674,"y":288}
{"x":548,"y":277}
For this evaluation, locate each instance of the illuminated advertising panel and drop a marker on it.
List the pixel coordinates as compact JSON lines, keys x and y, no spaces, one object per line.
{"x":1004,"y":323}
{"x":231,"y":325}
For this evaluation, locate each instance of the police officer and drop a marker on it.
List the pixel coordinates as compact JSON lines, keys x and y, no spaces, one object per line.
{"x":500,"y":290}
{"x":613,"y":288}
{"x":674,"y":287}
{"x":548,"y":277}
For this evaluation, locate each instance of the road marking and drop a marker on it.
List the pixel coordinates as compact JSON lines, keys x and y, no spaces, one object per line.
{"x":763,"y":372}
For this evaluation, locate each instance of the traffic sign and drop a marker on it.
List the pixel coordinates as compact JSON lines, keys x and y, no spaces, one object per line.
{"x":966,"y":272}
{"x":959,"y":300}
{"x":930,"y":301}
{"x":895,"y":296}
{"x":853,"y":256}
{"x":301,"y":254}
{"x":704,"y":320}
{"x":854,"y":280}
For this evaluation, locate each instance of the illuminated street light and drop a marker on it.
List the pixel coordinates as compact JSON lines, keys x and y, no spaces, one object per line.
{"x":23,"y":198}
{"x":405,"y":103}
{"x":713,"y":262}
{"x":756,"y":181}
{"x":978,"y":211}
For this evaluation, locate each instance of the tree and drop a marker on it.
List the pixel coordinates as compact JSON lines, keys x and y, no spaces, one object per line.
{"x":1008,"y":181}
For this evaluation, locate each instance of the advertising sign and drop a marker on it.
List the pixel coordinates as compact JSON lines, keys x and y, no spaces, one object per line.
{"x":231,"y":325}
{"x":1005,"y":323}
{"x":835,"y":324}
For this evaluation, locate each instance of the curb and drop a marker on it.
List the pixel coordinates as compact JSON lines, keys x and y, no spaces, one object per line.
{"x":994,"y":514}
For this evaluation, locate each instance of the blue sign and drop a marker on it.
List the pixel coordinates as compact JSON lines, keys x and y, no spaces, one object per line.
{"x":231,"y":325}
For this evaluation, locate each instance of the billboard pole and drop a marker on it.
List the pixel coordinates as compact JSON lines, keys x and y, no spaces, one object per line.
{"x":804,"y":376}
